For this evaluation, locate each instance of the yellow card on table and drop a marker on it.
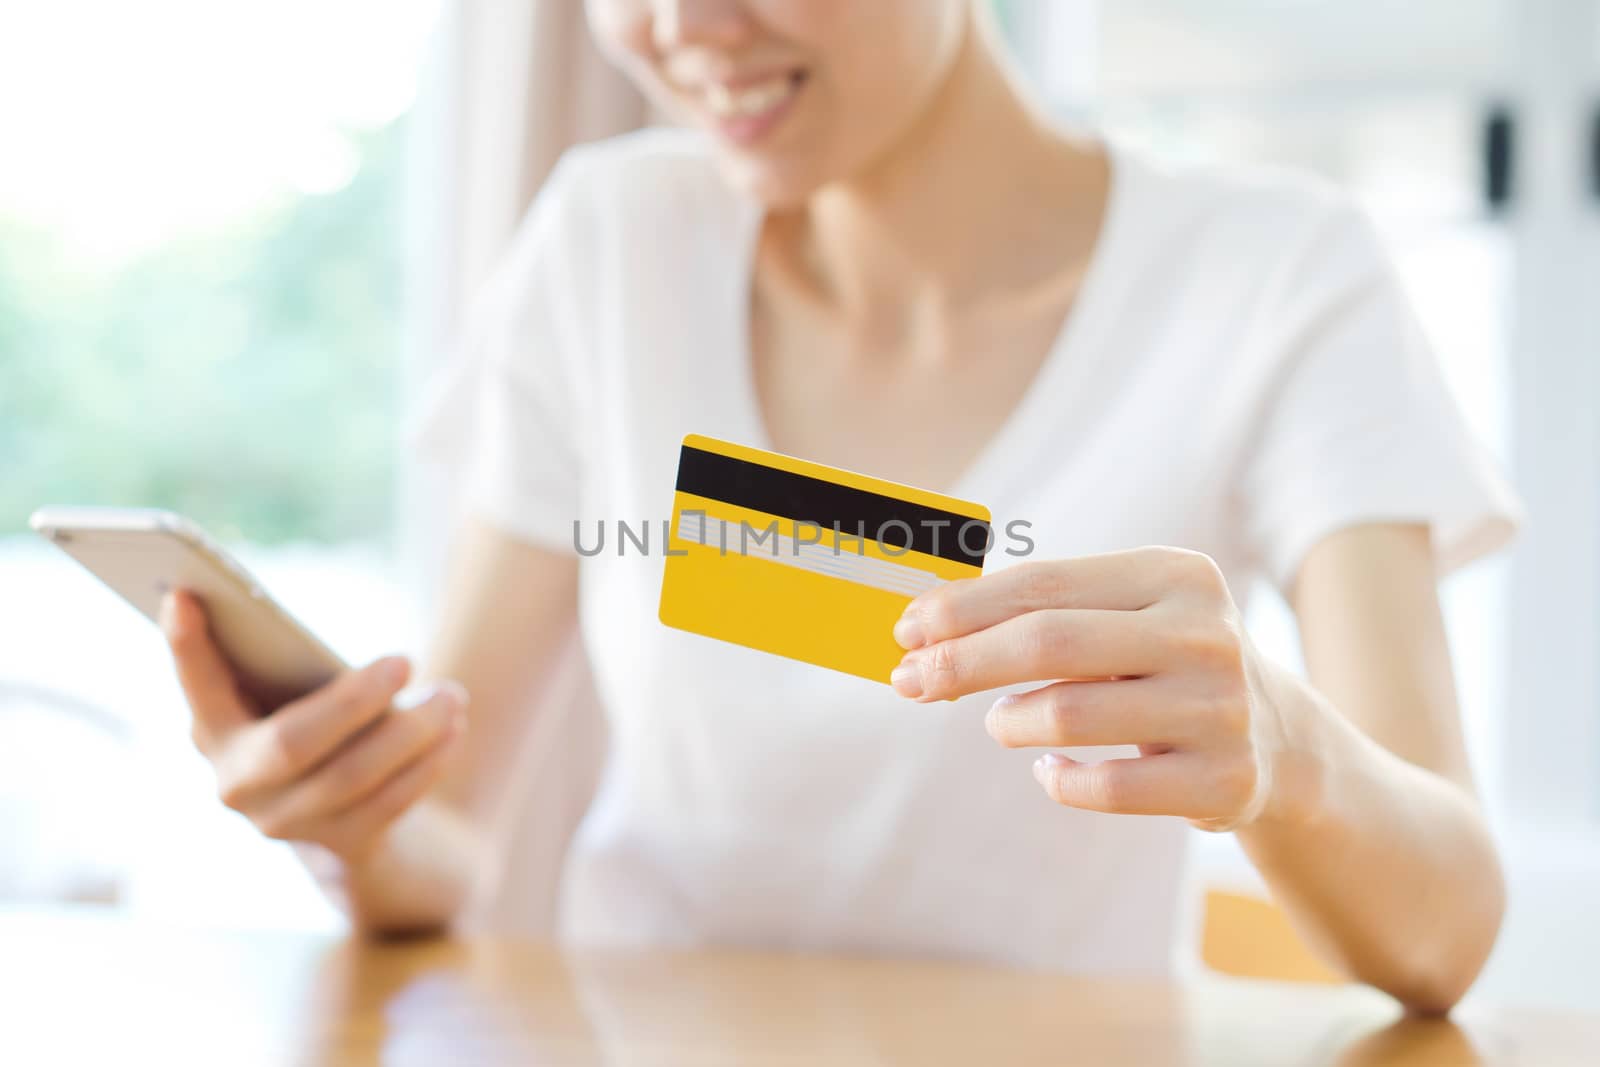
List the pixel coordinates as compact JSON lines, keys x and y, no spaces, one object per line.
{"x":804,"y":560}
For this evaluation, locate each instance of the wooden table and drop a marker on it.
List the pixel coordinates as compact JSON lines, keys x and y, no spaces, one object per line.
{"x":86,"y":989}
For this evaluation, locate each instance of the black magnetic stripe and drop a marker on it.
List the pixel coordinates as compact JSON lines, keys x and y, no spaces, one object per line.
{"x":803,"y":498}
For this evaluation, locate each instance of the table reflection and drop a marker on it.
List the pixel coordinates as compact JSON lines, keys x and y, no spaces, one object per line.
{"x":76,"y":989}
{"x":1411,"y":1041}
{"x":468,"y":1003}
{"x":444,"y":1002}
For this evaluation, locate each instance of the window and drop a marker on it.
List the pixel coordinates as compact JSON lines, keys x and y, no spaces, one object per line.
{"x":201,"y":263}
{"x":198,"y":253}
{"x":202,"y":254}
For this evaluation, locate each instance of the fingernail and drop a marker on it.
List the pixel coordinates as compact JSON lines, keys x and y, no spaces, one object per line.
{"x":1046,"y":766}
{"x":908,"y":631}
{"x":1041,"y":769}
{"x":166,"y":616}
{"x":906,"y":680}
{"x":393,"y":670}
{"x":991,"y":718}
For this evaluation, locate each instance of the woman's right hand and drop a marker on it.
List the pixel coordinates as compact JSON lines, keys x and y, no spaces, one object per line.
{"x":334,"y":768}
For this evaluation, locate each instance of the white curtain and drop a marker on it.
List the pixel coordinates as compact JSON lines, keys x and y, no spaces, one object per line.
{"x":515,"y":83}
{"x":524,"y":82}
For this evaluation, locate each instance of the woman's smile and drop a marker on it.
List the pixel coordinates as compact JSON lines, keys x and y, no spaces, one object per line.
{"x":745,"y":109}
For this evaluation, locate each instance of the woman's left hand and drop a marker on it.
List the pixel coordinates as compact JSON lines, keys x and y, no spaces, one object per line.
{"x":1143,"y":647}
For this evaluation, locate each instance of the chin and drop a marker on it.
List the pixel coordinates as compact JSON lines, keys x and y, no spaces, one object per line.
{"x":777,"y":184}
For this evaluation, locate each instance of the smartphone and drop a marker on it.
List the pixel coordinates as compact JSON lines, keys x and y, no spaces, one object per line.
{"x":143,"y":552}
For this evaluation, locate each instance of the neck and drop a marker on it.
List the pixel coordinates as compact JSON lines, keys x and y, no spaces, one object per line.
{"x":980,"y":197}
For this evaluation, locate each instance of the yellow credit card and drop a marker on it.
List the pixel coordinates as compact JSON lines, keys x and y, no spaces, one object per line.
{"x":805,"y":560}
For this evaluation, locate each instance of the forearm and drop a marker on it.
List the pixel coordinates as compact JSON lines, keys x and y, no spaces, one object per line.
{"x":418,"y":877}
{"x":1386,"y":868}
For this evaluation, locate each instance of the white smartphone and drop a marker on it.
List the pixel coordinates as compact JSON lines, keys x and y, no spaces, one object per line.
{"x":143,"y":552}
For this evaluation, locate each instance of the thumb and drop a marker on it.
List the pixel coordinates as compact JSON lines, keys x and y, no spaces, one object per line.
{"x":208,"y":681}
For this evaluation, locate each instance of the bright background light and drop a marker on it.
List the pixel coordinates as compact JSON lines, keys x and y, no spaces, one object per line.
{"x":127,"y":126}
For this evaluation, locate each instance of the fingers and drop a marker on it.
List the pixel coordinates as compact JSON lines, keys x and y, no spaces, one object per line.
{"x":304,"y":732}
{"x":1209,"y":794}
{"x":365,"y":763}
{"x":1140,"y":711}
{"x":359,"y":827}
{"x":1031,"y":647}
{"x":1143,"y":785}
{"x":1115,"y":581}
{"x":204,"y":673}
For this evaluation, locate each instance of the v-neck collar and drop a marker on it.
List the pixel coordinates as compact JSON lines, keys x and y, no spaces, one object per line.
{"x":998,"y":462}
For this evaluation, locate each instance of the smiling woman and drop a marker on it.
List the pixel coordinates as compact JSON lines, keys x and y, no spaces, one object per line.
{"x":871,"y":247}
{"x":873,"y":250}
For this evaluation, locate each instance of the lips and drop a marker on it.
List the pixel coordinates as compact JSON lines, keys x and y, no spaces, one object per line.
{"x":746,"y":109}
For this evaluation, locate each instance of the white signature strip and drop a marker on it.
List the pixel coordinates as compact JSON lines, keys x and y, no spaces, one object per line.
{"x":818,"y":558}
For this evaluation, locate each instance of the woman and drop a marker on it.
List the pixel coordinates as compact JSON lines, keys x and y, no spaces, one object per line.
{"x":870,"y":250}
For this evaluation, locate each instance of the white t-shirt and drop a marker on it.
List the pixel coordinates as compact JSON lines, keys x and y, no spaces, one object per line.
{"x":1240,"y":375}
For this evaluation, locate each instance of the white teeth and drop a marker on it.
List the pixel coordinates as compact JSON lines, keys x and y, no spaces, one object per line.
{"x":750,"y":99}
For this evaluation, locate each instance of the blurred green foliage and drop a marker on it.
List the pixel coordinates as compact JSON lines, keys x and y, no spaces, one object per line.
{"x":248,"y":378}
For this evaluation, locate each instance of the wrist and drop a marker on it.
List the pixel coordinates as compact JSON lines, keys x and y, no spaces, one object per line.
{"x":413,"y":876}
{"x":1300,"y":752}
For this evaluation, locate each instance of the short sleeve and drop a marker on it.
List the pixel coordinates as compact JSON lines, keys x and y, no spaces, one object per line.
{"x":1358,"y":424}
{"x":502,"y":415}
